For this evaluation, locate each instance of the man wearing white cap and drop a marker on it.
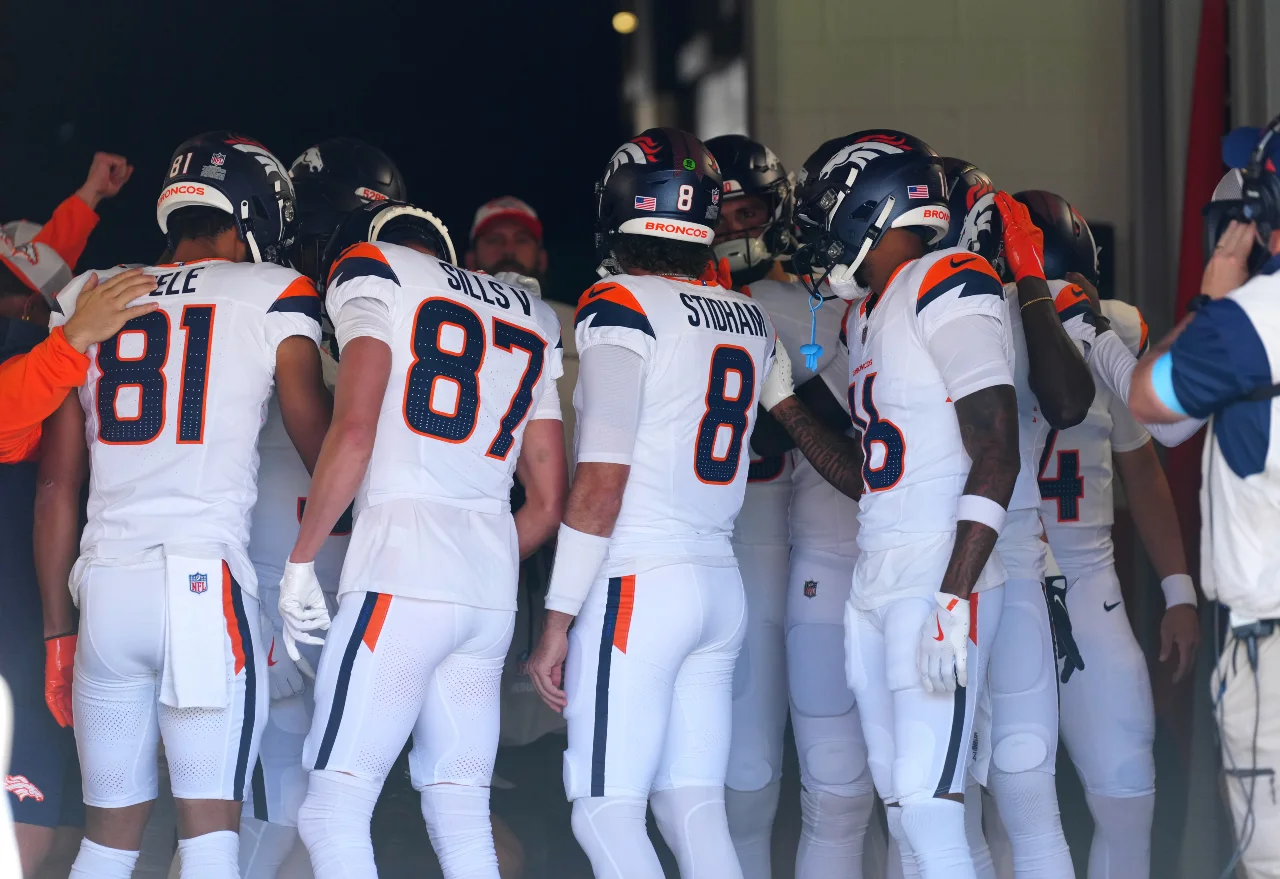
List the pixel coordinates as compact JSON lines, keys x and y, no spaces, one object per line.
{"x":506,"y":236}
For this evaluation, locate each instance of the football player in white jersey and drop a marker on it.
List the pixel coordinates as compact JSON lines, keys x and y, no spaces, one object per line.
{"x":330,"y":179}
{"x":752,"y":233}
{"x":819,"y":528}
{"x":672,"y":364}
{"x":1054,"y":390}
{"x":931,"y":394}
{"x":1108,"y":715}
{"x":446,"y":389}
{"x":170,"y":414}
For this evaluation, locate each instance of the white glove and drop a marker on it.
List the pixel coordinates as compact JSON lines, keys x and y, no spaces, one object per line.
{"x":515,"y":279}
{"x":841,"y":281}
{"x":283,"y":673}
{"x":302,"y":607}
{"x":777,"y":384}
{"x":943,"y":657}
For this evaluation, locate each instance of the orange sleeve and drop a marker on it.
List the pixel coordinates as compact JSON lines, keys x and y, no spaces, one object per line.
{"x":32,"y":386}
{"x":68,"y":229}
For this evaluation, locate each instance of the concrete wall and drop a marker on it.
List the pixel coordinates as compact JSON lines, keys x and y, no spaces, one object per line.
{"x":1035,"y":92}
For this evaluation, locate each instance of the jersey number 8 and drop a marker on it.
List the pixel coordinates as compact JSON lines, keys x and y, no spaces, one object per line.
{"x":459,"y":365}
{"x":730,"y":395}
{"x":145,"y":372}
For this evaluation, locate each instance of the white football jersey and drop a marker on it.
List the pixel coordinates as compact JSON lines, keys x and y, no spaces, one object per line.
{"x":706,"y":351}
{"x":174,"y":403}
{"x":1075,"y":469}
{"x":471,"y":360}
{"x":762,"y":521}
{"x":817,"y":517}
{"x":283,"y":482}
{"x":915,"y":465}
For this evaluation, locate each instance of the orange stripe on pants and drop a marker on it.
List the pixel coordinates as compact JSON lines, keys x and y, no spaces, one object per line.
{"x":229,"y":613}
{"x":626,"y":604}
{"x":376,"y":618}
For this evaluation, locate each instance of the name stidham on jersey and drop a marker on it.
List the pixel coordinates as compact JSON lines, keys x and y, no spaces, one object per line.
{"x":744,"y":318}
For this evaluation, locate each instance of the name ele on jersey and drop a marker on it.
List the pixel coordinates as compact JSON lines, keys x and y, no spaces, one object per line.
{"x":706,"y":352}
{"x":174,"y":402}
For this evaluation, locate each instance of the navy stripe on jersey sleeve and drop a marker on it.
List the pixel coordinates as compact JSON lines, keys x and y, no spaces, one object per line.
{"x":976,"y":283}
{"x":1218,"y":360}
{"x":308,"y":305}
{"x":613,"y":314}
{"x":362,"y":260}
{"x":1081,"y":310}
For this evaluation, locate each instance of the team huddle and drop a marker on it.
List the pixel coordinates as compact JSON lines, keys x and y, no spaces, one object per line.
{"x":833,"y":430}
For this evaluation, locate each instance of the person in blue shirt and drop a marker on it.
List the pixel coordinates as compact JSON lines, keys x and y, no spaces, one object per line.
{"x":1222,"y":363}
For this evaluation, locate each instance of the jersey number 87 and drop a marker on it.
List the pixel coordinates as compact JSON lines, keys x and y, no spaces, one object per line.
{"x":460,"y":367}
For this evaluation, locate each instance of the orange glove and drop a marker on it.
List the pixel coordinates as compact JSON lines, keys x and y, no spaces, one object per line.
{"x":59,"y":664}
{"x":1023,"y":241}
{"x":718,"y":272}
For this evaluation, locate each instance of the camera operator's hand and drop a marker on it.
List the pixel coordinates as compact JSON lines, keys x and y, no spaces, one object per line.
{"x":1228,"y":267}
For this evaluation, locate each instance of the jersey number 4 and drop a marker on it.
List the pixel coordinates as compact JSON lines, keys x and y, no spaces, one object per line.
{"x":443,"y":322}
{"x":731,"y":388}
{"x":1068,"y":488}
{"x":140,"y":367}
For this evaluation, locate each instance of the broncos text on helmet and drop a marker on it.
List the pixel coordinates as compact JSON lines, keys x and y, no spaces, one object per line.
{"x":662,"y":183}
{"x":238,"y":175}
{"x":857,"y":186}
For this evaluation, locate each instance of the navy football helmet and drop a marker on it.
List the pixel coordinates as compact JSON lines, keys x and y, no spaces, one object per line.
{"x":1068,"y":242}
{"x":393,"y":222}
{"x":855,"y":187}
{"x":663,"y":183}
{"x":748,"y":167}
{"x":975,"y":219}
{"x":333,"y":178}
{"x":237,"y":175}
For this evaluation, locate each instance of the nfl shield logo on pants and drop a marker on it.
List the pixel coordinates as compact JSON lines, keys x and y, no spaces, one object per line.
{"x":199,"y":582}
{"x":810,"y":588}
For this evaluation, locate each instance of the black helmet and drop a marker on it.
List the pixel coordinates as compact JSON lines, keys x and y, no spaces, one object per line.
{"x":393,"y":222}
{"x":1068,"y":242}
{"x":333,"y":178}
{"x":663,"y":183}
{"x":855,"y":187}
{"x":238,"y":175}
{"x":975,"y":219}
{"x":748,"y":167}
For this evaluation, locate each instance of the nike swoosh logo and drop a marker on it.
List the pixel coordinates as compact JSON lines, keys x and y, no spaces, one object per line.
{"x":601,"y":291}
{"x":939,"y":636}
{"x":271,"y":653}
{"x":1110,"y":607}
{"x":957,"y":261}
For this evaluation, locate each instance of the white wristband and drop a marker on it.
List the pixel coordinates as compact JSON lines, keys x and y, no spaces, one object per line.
{"x":1178,"y":589}
{"x":579,"y":557}
{"x":976,"y":508}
